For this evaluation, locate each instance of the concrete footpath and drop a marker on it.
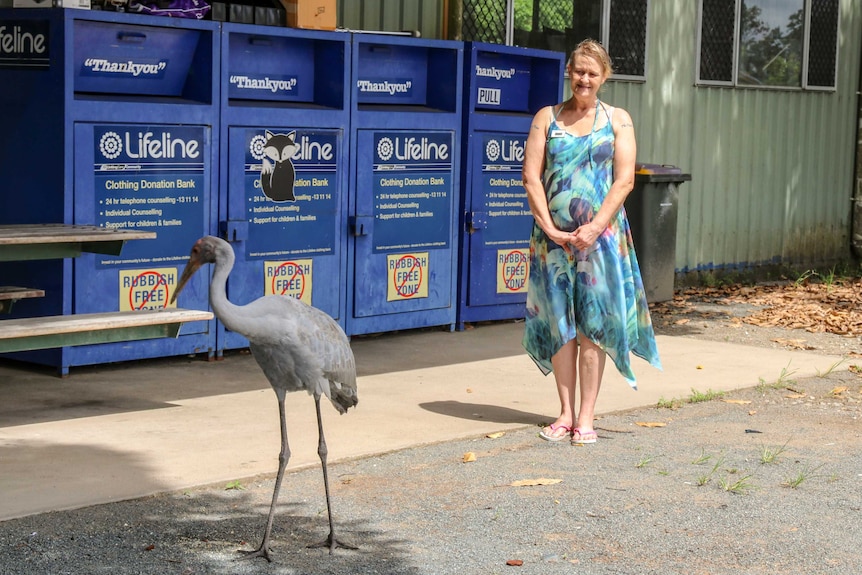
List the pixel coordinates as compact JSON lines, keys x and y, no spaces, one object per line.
{"x":109,"y":433}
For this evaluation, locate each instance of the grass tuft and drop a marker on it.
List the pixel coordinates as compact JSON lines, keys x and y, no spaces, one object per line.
{"x":669,"y":403}
{"x":769,"y":454}
{"x":738,"y":486}
{"x":644,"y":461}
{"x":699,"y":397}
{"x":707,"y":477}
{"x":784,"y":379}
{"x":703,"y":458}
{"x":796,"y":480}
{"x":831,"y":368}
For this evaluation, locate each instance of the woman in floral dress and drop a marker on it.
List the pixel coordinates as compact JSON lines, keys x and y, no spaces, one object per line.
{"x":586,"y":298}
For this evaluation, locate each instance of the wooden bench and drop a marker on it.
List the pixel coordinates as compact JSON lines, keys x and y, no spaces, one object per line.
{"x":92,"y":328}
{"x":10,"y":294}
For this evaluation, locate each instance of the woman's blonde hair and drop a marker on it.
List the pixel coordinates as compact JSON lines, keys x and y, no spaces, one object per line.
{"x":592,"y":49}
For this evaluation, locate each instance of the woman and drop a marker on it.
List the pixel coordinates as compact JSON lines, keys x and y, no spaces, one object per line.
{"x":586,"y":298}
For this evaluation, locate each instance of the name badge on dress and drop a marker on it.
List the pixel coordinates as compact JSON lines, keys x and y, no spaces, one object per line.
{"x":557,"y":133}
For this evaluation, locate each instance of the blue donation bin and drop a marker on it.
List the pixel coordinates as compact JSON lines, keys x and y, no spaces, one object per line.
{"x":108,"y":121}
{"x":504,"y":88}
{"x":404,"y":168}
{"x":283,"y":177}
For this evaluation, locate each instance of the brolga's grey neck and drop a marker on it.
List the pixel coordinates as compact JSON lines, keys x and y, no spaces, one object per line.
{"x":229,"y":314}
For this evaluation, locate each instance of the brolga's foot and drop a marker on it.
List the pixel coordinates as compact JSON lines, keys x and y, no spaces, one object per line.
{"x":262,"y":551}
{"x":332,"y":543}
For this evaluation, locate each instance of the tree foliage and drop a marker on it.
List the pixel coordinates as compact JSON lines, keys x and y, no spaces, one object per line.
{"x":770,"y":56}
{"x":555,"y":14}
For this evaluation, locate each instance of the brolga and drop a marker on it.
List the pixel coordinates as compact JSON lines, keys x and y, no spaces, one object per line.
{"x":297,"y":346}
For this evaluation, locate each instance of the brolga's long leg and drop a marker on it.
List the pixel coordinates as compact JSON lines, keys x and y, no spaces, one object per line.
{"x":332,"y":542}
{"x":283,"y":458}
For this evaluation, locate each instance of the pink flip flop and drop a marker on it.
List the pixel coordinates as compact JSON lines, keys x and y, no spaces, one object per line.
{"x":552,"y":436}
{"x":584,"y":437}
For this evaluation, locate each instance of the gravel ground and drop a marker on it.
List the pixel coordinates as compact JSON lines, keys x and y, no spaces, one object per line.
{"x":762,"y":480}
{"x":702,"y":494}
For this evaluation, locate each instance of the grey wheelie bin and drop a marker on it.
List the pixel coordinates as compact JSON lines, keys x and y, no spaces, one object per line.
{"x":652,"y":211}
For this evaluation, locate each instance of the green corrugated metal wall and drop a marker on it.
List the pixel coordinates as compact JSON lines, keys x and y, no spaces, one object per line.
{"x":772,"y":171}
{"x":426,"y":16}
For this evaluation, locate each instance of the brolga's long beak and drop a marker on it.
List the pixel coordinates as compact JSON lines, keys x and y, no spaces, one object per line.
{"x":192,"y":266}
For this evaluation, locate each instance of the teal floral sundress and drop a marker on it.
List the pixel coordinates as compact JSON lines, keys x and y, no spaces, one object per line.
{"x":597,"y":292}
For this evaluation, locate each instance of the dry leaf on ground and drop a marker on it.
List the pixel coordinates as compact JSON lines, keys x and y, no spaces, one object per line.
{"x":737,"y":401}
{"x":792,"y":343}
{"x":469,"y":457}
{"x":535,"y":482}
{"x":834,"y":307}
{"x":650,"y":423}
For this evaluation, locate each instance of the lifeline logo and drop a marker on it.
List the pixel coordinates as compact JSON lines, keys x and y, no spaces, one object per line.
{"x":130,"y":68}
{"x":147,"y":145}
{"x":266,"y":84}
{"x":24,"y":43}
{"x":495,"y":73}
{"x":404,"y":87}
{"x":319,"y":148}
{"x":505,"y":150}
{"x":411,"y":148}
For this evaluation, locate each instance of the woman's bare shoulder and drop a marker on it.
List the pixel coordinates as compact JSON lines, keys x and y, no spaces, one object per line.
{"x":545,"y":114}
{"x":542,"y":119}
{"x":620,"y":117}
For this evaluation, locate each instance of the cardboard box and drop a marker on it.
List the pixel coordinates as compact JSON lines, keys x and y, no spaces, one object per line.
{"x":313,"y":14}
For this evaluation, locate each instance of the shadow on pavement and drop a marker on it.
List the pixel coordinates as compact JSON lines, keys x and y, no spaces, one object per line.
{"x":483,"y":412}
{"x":71,"y":487}
{"x":35,"y":395}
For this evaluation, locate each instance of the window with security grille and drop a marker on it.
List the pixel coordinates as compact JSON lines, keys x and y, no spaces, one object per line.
{"x":627,"y":37}
{"x":484,"y":21}
{"x":768,"y":43}
{"x":823,"y":43}
{"x":559,"y":25}
{"x":544,"y":24}
{"x":716,"y":40}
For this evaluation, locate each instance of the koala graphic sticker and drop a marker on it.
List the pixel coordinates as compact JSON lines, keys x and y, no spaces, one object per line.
{"x":277,"y":172}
